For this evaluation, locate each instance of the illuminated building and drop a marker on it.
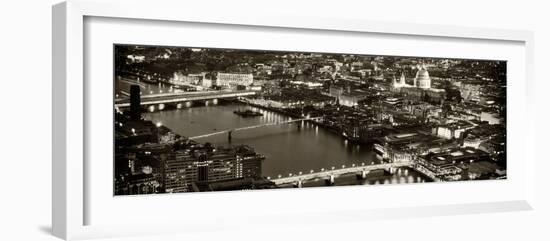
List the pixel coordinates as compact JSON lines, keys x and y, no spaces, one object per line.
{"x":453,"y":130}
{"x":400,"y":147}
{"x":421,"y":89}
{"x":470,"y":90}
{"x":447,"y":165}
{"x":190,"y":79}
{"x":422,"y":79}
{"x":494,"y":146}
{"x":401,"y":155}
{"x":401,"y":82}
{"x":351,"y":99}
{"x":185,"y":170}
{"x":137,"y":184}
{"x":228,"y":79}
{"x":491,"y":117}
{"x":472,"y":141}
{"x":206,"y":83}
{"x":346,"y":97}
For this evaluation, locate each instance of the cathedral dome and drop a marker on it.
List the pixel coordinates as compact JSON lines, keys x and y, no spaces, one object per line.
{"x":422,"y":74}
{"x":423,"y":78}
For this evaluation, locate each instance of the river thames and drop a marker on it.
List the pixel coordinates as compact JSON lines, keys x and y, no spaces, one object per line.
{"x":289,"y":148}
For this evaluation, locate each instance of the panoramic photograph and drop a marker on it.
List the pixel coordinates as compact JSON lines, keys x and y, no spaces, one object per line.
{"x":194,"y":119}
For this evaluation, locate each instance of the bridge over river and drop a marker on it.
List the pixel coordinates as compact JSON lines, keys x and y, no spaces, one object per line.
{"x":229,"y":131}
{"x":330,"y":174}
{"x":182,"y":97}
{"x":327,"y":174}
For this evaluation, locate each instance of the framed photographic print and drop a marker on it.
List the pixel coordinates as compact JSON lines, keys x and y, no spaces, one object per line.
{"x":280,"y":117}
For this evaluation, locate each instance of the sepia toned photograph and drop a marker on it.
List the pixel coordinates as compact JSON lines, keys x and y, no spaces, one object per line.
{"x":194,"y":119}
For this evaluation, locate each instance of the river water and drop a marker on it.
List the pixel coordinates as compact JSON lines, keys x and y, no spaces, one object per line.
{"x":289,"y":148}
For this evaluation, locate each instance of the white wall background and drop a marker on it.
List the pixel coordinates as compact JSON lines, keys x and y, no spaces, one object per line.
{"x":25,"y":119}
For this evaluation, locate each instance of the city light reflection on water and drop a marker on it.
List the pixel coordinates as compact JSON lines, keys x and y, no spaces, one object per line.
{"x":289,"y":148}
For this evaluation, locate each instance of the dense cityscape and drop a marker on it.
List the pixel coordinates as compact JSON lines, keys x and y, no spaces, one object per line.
{"x":202,"y":119}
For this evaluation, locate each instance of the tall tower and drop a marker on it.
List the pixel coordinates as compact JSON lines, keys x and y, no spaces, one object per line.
{"x":135,"y":102}
{"x":402,"y":79}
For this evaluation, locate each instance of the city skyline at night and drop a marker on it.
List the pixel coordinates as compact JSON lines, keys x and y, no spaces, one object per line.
{"x":203,"y":119}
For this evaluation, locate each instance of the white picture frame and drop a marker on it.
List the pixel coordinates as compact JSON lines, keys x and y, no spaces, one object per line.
{"x":70,"y":189}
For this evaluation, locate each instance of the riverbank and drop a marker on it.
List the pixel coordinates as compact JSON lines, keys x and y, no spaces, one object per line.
{"x":288,"y":148}
{"x":294,"y":115}
{"x":352,"y":132}
{"x":425,"y":176}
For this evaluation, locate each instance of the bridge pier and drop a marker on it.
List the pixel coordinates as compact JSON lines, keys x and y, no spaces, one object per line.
{"x":362,"y":175}
{"x":229,"y":135}
{"x":298,"y":184}
{"x":200,"y":102}
{"x":330,"y":180}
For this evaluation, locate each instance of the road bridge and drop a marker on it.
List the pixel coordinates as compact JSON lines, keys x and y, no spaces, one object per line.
{"x":182,"y":97}
{"x":330,"y":174}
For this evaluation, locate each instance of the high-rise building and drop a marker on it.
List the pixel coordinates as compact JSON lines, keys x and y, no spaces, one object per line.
{"x":185,"y":169}
{"x":135,"y":102}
